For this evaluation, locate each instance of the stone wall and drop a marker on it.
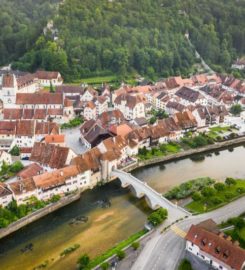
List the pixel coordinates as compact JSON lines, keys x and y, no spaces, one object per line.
{"x":38,"y":214}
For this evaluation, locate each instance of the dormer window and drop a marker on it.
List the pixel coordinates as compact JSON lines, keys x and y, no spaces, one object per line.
{"x":217,"y":250}
{"x":226,"y":254}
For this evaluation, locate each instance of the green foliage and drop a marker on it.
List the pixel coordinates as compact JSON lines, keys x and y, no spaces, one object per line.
{"x":121,"y":254}
{"x":104,"y":266}
{"x":197,"y":141}
{"x":101,"y":258}
{"x":83,"y":262}
{"x":16,"y":167}
{"x":72,"y":123}
{"x":55,"y":198}
{"x":158,"y":216}
{"x":219,"y":186}
{"x":189,"y":188}
{"x":21,"y":24}
{"x":15,"y":151}
{"x":135,"y":245}
{"x":208,"y":192}
{"x":196,"y":196}
{"x":230,"y":181}
{"x":8,"y":171}
{"x":51,"y":88}
{"x":236,"y":109}
{"x":185,"y":265}
{"x":69,"y":250}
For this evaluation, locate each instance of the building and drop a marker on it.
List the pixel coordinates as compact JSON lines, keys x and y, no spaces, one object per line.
{"x":30,"y":171}
{"x":90,"y":111}
{"x":5,"y":158}
{"x":131,"y":106}
{"x":214,"y":248}
{"x":56,"y":139}
{"x":47,"y":78}
{"x":6,"y":195}
{"x":189,"y":96}
{"x":51,"y":156}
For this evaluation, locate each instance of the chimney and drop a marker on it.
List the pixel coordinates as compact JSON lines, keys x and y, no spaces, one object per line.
{"x":61,"y":173}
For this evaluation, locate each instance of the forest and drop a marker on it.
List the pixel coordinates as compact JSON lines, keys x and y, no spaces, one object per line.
{"x":147,"y":37}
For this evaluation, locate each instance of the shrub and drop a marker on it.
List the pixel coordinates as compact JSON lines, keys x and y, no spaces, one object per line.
{"x":219,"y":186}
{"x":208,"y":191}
{"x":158,"y":216}
{"x":196,"y":196}
{"x":229,"y":195}
{"x":240,"y":190}
{"x":135,"y":245}
{"x":121,"y":254}
{"x":55,"y":198}
{"x":104,"y":266}
{"x":185,"y":265}
{"x":16,"y":167}
{"x":216,"y":201}
{"x":83,"y":262}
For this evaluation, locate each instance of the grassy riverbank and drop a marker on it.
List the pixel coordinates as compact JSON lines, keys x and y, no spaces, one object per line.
{"x":216,"y":195}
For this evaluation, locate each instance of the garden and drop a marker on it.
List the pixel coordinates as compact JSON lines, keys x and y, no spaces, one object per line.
{"x":8,"y":171}
{"x":72,"y":123}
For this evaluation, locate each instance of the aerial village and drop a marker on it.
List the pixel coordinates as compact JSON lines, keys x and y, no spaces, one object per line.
{"x":117,"y":124}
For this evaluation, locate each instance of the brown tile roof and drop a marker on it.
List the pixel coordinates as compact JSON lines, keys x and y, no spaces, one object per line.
{"x":55,"y":138}
{"x":46,"y":128}
{"x":28,"y":114}
{"x":173,"y":82}
{"x":68,"y":102}
{"x":12,"y":114}
{"x":175,"y":105}
{"x":87,"y":126}
{"x":40,"y":113}
{"x":111,"y":117}
{"x":25,"y":128}
{"x":130,"y":100}
{"x":188,"y":94}
{"x":185,"y":120}
{"x":122,"y":129}
{"x":217,"y":246}
{"x":70,"y":89}
{"x":29,"y":171}
{"x":22,"y":186}
{"x":8,"y":81}
{"x":39,"y":98}
{"x":4,"y":190}
{"x":91,"y":105}
{"x":25,"y":80}
{"x":55,"y":178}
{"x":49,"y":155}
{"x":46,"y":75}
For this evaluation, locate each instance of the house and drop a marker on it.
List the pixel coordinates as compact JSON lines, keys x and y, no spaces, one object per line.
{"x":56,"y":139}
{"x":186,"y":121}
{"x":51,"y":156}
{"x":131,"y":106}
{"x":121,"y":130}
{"x":5,"y":158}
{"x":210,"y":115}
{"x":111,"y":117}
{"x":190,"y":97}
{"x":141,"y":122}
{"x":89,"y":95}
{"x":173,"y":107}
{"x":23,"y":190}
{"x":93,"y":135}
{"x":101,"y":104}
{"x":6,"y":195}
{"x":213,"y":247}
{"x":61,"y":181}
{"x":70,"y":91}
{"x":239,"y":64}
{"x":90,"y":111}
{"x":46,"y":78}
{"x":30,"y":171}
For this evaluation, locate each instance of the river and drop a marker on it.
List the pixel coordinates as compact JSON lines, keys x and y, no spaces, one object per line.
{"x":107,"y":226}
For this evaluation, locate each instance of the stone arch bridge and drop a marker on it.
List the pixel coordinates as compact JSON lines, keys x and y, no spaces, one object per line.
{"x":154,"y":199}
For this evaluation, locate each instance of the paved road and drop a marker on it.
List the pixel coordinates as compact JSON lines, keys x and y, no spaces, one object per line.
{"x":154,"y":198}
{"x":164,"y":251}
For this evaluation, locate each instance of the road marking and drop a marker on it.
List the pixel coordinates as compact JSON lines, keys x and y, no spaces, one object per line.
{"x":178,"y":231}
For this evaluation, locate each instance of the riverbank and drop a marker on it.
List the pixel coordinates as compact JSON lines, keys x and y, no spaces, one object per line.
{"x":185,"y":154}
{"x":15,"y":226}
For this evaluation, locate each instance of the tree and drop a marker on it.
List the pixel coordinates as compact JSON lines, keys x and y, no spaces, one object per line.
{"x":185,"y":265}
{"x":230,"y":181}
{"x":16,"y":167}
{"x":83,"y":262}
{"x":51,"y":88}
{"x":208,"y":191}
{"x":15,"y":151}
{"x":219,"y":186}
{"x":196,"y":196}
{"x":121,"y":254}
{"x":236,"y":109}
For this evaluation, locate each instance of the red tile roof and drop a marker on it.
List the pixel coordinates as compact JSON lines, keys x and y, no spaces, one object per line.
{"x":39,"y":98}
{"x":8,"y":81}
{"x":46,"y":75}
{"x":55,"y":138}
{"x":29,"y":171}
{"x":217,"y":246}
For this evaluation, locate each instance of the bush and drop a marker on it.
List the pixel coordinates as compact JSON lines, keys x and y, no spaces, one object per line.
{"x":83,"y":262}
{"x":216,"y":201}
{"x":55,"y":198}
{"x":229,"y":195}
{"x":196,"y":196}
{"x":121,"y":254}
{"x":104,"y":266}
{"x":219,"y":186}
{"x":230,"y":181}
{"x":185,"y":265}
{"x":16,"y":167}
{"x":208,"y":191}
{"x":135,"y":245}
{"x":158,"y":216}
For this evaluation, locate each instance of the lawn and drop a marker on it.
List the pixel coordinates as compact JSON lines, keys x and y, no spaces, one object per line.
{"x":161,"y":150}
{"x":212,"y":198}
{"x":218,"y":131}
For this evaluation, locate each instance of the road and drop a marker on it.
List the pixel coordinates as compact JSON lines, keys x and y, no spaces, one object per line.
{"x":164,"y":251}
